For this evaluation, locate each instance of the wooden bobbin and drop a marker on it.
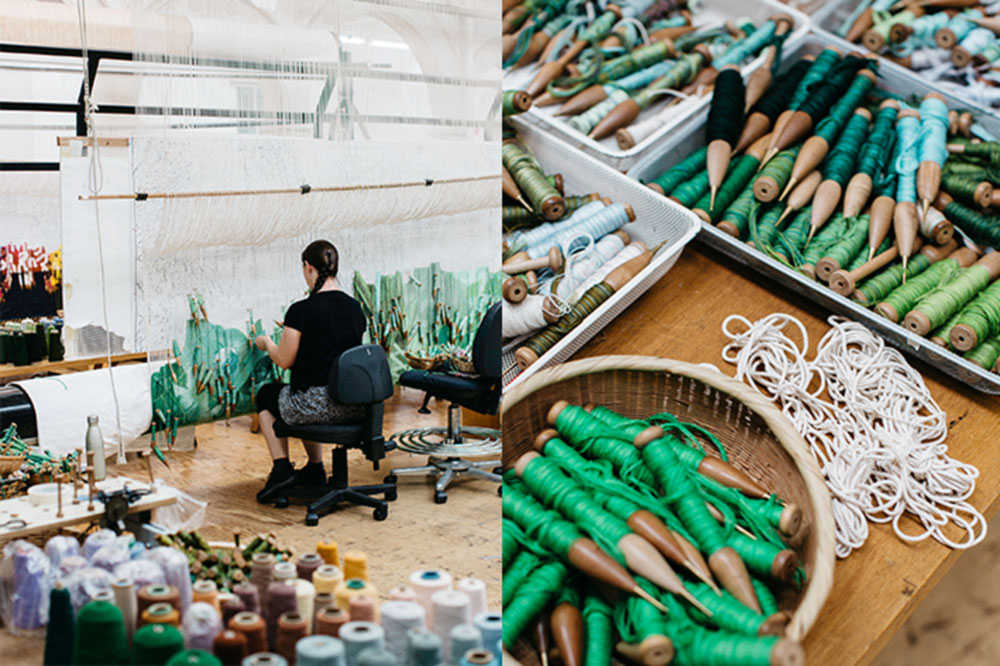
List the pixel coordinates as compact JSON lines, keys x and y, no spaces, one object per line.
{"x":919,"y":323}
{"x":518,"y":264}
{"x":566,"y":623}
{"x":583,"y":100}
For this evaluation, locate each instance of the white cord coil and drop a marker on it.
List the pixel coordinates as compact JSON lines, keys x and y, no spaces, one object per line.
{"x":879,"y":438}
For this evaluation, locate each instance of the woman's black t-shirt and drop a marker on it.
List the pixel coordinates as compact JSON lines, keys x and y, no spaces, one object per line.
{"x":331,"y":322}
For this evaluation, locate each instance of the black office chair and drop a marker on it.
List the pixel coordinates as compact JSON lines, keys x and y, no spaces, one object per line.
{"x":359,"y":377}
{"x":446,"y":446}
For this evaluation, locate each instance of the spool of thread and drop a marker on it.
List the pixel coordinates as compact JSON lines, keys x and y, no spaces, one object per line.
{"x":96,"y":541}
{"x":478,"y":658}
{"x":362,"y":609}
{"x":326,"y":578}
{"x":330,"y":620}
{"x":59,"y":630}
{"x":424,"y":648}
{"x":261,"y":568}
{"x":155,"y":644}
{"x":125,"y":599}
{"x":305,"y":597}
{"x":59,"y":547}
{"x":398,"y":617}
{"x":99,"y":637}
{"x":265,"y":659}
{"x":319,"y":651}
{"x":321,"y":601}
{"x":230,"y":647}
{"x":291,"y":627}
{"x":280,"y":600}
{"x":402,"y":593}
{"x":249,"y":595}
{"x":253,"y":627}
{"x":356,"y":565}
{"x":176,"y":571}
{"x":464,"y":637}
{"x":476,"y":589}
{"x":376,"y":657}
{"x":425,"y":583}
{"x":307,"y":565}
{"x":201,"y":625}
{"x":358,"y":636}
{"x":232,"y":606}
{"x":451,"y":608}
{"x":491,"y":626}
{"x":155,"y":594}
{"x":205,"y":591}
{"x":194,"y":658}
{"x":283,"y":572}
{"x":30,"y":586}
{"x":328,"y":551}
{"x":349,"y":588}
{"x":161,"y":613}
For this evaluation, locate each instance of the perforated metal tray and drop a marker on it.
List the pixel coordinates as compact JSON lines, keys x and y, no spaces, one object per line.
{"x":669,"y":227}
{"x":671,"y":150}
{"x":712,"y":13}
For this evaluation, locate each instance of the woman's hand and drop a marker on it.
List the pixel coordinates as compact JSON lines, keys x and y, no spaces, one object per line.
{"x":261,"y":342}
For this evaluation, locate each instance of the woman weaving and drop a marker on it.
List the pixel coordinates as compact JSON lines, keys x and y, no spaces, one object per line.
{"x":317,"y":330}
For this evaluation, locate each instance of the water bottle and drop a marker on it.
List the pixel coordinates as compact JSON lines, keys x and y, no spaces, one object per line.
{"x":95,"y":443}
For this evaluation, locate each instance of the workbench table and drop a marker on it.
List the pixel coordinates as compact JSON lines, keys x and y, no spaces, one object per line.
{"x":42,"y":519}
{"x":10,"y":372}
{"x":877,"y":587}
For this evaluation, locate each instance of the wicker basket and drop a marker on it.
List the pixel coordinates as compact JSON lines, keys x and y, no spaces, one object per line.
{"x":10,"y":464}
{"x":419,"y":363}
{"x":757,"y":437}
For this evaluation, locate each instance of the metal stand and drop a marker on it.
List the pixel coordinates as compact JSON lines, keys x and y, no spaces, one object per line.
{"x":445,"y":448}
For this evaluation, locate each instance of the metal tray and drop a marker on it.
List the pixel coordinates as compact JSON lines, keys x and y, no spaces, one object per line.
{"x":671,"y":150}
{"x":655,"y":224}
{"x":712,"y":13}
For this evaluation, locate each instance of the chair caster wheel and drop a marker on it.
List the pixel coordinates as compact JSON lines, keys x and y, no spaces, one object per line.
{"x":390,"y":495}
{"x":500,"y":491}
{"x":498,"y":470}
{"x":281,"y":503}
{"x":440,"y":497}
{"x":381,"y":513}
{"x":391,"y":478}
{"x":312,"y":519}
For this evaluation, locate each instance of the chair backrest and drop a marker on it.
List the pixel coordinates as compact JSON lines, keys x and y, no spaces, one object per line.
{"x":361,"y":376}
{"x":487,"y":354}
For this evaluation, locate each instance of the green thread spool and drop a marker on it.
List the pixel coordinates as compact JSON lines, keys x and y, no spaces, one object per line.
{"x":792,"y":239}
{"x":524,"y":563}
{"x":768,"y":604}
{"x":543,"y":526}
{"x":721,"y":648}
{"x":986,"y":150}
{"x":100,"y":639}
{"x":763,"y":558}
{"x":637,"y":620}
{"x":702,"y":204}
{"x":839,"y":165}
{"x":903,"y":298}
{"x":592,"y":299}
{"x":688,"y":193}
{"x":985,"y":355}
{"x":842,"y":116}
{"x":515,"y":102}
{"x":944,"y":301}
{"x":524,"y":169}
{"x":838,"y":84}
{"x":876,"y":288}
{"x":727,"y":612}
{"x":821,"y":66}
{"x":155,"y":644}
{"x":853,"y":242}
{"x":539,"y":588}
{"x":682,"y":171}
{"x":59,"y":631}
{"x":194,"y":658}
{"x":594,"y":439}
{"x":943,"y":333}
{"x":56,"y":350}
{"x":862,"y":257}
{"x":510,"y":545}
{"x":599,"y":629}
{"x":832,"y":233}
{"x":765,"y":230}
{"x":876,"y":151}
{"x":981,"y":316}
{"x":771,"y":180}
{"x":736,"y":219}
{"x":966,"y":190}
{"x":777,"y":97}
{"x":679,"y":75}
{"x":981,"y":229}
{"x":737,"y":178}
{"x":639,"y":58}
{"x":19,"y":349}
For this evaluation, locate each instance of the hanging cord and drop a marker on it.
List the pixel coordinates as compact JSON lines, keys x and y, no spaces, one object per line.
{"x":879,"y":437}
{"x":95,"y":182}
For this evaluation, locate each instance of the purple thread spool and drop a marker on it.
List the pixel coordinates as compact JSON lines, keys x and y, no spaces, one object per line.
{"x":32,"y":579}
{"x":233,"y":606}
{"x":249,"y":595}
{"x":280,"y":599}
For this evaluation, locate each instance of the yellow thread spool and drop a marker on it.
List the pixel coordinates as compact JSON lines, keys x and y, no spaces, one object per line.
{"x":206,"y":592}
{"x":326,"y":579}
{"x":161,"y":613}
{"x":356,"y":565}
{"x":350,"y":588}
{"x":327,"y":549}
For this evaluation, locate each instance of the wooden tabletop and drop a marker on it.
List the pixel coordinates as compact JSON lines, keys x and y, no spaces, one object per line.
{"x":41,"y":519}
{"x":877,"y":587}
{"x":9,"y":371}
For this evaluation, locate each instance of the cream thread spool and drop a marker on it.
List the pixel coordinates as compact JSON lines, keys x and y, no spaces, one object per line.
{"x":284,"y":572}
{"x":491,"y":626}
{"x":402,"y":593}
{"x":124,"y":594}
{"x":425,"y":583}
{"x":398,"y":617}
{"x":463,"y":637}
{"x":327,"y":578}
{"x":451,"y":608}
{"x":349,"y":588}
{"x":356,"y":565}
{"x":305,"y":597}
{"x":476,"y":589}
{"x":358,"y":636}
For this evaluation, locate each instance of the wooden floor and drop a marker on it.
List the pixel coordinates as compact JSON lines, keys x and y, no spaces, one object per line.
{"x":230,"y":463}
{"x":878,"y":587}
